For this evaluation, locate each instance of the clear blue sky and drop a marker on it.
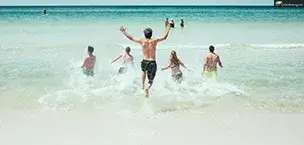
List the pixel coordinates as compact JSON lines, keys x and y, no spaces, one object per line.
{"x":134,"y":2}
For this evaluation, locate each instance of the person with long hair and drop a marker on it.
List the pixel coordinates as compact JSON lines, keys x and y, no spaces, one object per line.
{"x":174,"y":64}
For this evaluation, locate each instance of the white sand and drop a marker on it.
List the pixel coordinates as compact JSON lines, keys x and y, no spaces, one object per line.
{"x":218,"y":127}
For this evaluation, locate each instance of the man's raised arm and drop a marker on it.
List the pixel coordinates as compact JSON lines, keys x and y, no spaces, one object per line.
{"x":165,"y":35}
{"x":123,"y":30}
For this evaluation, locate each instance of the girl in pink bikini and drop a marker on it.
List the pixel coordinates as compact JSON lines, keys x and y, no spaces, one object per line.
{"x":126,"y":59}
{"x":174,"y":64}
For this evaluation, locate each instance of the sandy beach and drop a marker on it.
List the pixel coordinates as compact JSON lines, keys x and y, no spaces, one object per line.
{"x":212,"y":126}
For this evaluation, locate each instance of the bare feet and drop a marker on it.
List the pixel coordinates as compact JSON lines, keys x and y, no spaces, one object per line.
{"x":147,"y":93}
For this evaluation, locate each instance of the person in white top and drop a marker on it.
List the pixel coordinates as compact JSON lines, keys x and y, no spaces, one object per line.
{"x":126,"y":59}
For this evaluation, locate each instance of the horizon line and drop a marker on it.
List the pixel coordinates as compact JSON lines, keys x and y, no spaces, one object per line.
{"x":257,"y":5}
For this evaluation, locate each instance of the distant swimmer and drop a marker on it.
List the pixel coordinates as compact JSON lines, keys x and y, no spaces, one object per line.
{"x":44,"y":12}
{"x":166,"y":22}
{"x":172,"y":23}
{"x":89,"y":62}
{"x":148,"y":64}
{"x":210,"y":65}
{"x":174,"y":64}
{"x":126,"y":59}
{"x":182,"y":24}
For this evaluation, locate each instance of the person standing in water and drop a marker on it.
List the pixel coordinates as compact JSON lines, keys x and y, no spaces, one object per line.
{"x":89,"y":62}
{"x":44,"y":12}
{"x":182,"y":23}
{"x":210,"y":65}
{"x":148,"y":64}
{"x":126,"y":59}
{"x":166,"y":22}
{"x":172,"y":23}
{"x":174,"y":64}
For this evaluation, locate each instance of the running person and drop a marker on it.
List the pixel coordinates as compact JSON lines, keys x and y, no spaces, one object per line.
{"x":166,"y":22}
{"x":89,"y":63}
{"x":174,"y":64}
{"x":210,"y":65}
{"x":126,"y":59}
{"x":148,"y":64}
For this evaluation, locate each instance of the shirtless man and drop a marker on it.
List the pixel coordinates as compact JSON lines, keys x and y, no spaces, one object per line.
{"x":148,"y":64}
{"x":210,"y":65}
{"x":126,"y":59}
{"x":89,"y":62}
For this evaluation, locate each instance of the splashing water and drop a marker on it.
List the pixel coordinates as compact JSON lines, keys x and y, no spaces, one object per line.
{"x":40,"y":58}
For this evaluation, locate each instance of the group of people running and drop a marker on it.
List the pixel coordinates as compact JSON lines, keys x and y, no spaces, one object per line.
{"x":148,"y":64}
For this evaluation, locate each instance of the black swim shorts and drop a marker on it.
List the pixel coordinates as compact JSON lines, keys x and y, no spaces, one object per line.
{"x":177,"y":76}
{"x":150,"y":67}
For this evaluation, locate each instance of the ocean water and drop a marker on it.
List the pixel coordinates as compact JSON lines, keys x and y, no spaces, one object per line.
{"x":262,"y":49}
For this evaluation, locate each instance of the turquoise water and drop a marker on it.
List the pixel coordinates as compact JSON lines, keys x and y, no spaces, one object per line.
{"x":152,"y":13}
{"x":40,"y":56}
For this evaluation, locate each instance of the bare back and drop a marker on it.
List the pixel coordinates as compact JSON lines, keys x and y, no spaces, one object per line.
{"x":149,"y":48}
{"x":126,"y":58}
{"x":90,"y":62}
{"x":211,"y":62}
